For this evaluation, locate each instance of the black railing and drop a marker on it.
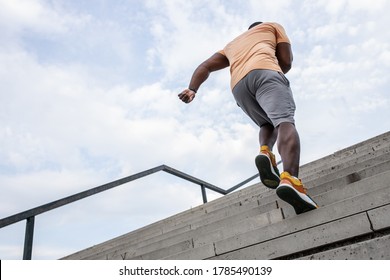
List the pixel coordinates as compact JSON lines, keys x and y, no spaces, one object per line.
{"x":29,"y":215}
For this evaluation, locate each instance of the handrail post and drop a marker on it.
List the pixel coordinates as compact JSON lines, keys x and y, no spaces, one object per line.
{"x":28,"y":239}
{"x":204,"y":195}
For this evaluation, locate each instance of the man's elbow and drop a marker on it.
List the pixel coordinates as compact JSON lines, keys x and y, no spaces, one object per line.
{"x":285,"y":67}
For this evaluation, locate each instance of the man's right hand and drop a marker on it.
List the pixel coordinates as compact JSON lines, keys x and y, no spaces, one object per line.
{"x":187,"y":95}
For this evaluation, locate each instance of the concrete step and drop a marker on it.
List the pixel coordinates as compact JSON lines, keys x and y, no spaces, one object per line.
{"x":345,"y":192}
{"x":351,"y":155}
{"x":348,"y":160}
{"x":349,"y":174}
{"x":321,"y":222}
{"x":328,"y":198}
{"x":346,"y":163}
{"x":371,"y":249}
{"x":349,"y":166}
{"x":190,"y":223}
{"x":335,"y":182}
{"x":363,"y":147}
{"x":309,"y":238}
{"x":164,"y":226}
{"x":255,"y":217}
{"x":250,"y":243}
{"x":197,"y":238}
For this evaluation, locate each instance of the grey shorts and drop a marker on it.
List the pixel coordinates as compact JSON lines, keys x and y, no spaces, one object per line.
{"x":266,"y":97}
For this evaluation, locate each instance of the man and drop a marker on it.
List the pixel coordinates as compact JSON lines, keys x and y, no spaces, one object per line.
{"x":258,"y":60}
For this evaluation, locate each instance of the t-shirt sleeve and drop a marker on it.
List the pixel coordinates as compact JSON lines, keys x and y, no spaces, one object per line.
{"x":281,"y":36}
{"x":222,"y":52}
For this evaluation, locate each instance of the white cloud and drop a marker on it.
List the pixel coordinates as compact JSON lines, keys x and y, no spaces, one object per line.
{"x":367,"y":6}
{"x":185,"y":34}
{"x":36,"y":16}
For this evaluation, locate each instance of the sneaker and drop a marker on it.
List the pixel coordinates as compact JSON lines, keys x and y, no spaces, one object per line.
{"x":266,"y":164}
{"x":293,"y":192}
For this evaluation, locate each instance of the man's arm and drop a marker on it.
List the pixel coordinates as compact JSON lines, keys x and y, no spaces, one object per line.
{"x":216,"y":62}
{"x":285,"y":56}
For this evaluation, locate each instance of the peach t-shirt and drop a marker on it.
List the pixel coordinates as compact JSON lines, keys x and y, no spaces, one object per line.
{"x":254,"y":49}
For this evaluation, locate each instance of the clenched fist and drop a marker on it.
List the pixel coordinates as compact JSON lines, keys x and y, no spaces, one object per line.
{"x":187,"y":95}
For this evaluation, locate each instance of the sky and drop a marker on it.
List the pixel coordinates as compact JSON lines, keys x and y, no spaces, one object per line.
{"x":88,"y":95}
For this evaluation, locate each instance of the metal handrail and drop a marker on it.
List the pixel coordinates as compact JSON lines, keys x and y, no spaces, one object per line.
{"x":29,"y":215}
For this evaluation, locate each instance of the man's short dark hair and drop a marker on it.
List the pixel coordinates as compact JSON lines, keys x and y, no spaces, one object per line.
{"x":254,"y":24}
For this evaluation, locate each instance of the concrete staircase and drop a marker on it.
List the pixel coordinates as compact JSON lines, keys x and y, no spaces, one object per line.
{"x":351,"y":186}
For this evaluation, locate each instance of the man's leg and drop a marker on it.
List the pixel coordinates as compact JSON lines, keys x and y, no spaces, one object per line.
{"x":289,"y":147}
{"x":265,"y":161}
{"x":291,"y":188}
{"x":268,"y":135}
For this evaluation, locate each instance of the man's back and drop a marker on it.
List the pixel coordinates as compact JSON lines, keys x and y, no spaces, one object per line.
{"x":254,"y":49}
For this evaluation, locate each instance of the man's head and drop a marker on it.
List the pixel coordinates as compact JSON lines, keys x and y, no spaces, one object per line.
{"x":254,"y":24}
